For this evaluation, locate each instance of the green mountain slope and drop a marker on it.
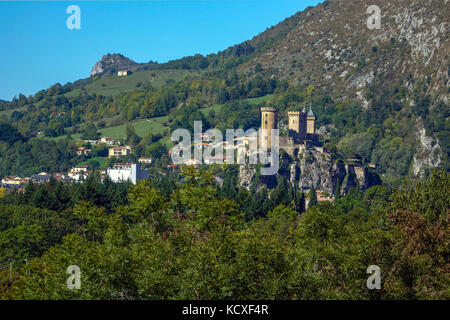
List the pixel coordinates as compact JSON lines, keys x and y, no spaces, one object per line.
{"x":389,"y":86}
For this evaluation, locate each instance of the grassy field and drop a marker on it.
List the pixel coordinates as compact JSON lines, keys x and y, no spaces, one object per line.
{"x":111,"y":86}
{"x":142,"y":127}
{"x":218,"y":107}
{"x":8,"y":112}
{"x":260,"y":99}
{"x":101,"y":160}
{"x":155,"y":125}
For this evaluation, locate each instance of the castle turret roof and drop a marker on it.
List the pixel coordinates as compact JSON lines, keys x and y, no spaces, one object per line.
{"x":310,"y":112}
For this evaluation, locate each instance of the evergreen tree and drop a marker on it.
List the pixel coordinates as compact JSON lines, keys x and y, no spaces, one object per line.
{"x":312,"y":197}
{"x":337,"y":191}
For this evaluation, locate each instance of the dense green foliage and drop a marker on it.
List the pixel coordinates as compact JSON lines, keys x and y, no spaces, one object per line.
{"x":194,"y":241}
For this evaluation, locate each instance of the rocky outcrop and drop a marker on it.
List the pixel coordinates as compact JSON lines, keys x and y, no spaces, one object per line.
{"x":331,"y":47}
{"x":111,"y":63}
{"x":428,"y":152}
{"x":319,"y":171}
{"x":246,"y":175}
{"x":355,"y":177}
{"x":293,"y":172}
{"x":314,"y":169}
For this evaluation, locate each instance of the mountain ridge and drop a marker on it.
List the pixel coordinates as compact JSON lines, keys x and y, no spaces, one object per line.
{"x":388,"y":86}
{"x":332,"y":44}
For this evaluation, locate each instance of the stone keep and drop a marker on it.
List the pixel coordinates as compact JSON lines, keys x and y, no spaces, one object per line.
{"x":269,"y":121}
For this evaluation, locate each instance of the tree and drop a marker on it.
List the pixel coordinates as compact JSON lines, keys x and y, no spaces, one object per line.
{"x":94,"y":164}
{"x":312,"y":197}
{"x":9,"y":134}
{"x":132,"y":138}
{"x":281,"y":194}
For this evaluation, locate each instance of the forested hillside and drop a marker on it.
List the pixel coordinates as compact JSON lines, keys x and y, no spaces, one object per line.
{"x":197,"y":240}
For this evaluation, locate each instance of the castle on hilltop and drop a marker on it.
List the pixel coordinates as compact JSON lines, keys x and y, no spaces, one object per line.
{"x":301,"y":129}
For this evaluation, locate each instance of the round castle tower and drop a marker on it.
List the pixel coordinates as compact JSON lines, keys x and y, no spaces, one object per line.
{"x":269,"y":121}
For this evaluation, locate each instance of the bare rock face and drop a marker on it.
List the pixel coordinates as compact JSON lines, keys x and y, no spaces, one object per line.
{"x":293,"y":172}
{"x":428,"y":154}
{"x":356,"y":177}
{"x":330,"y":46}
{"x":111,"y":63}
{"x":317,"y":170}
{"x":246,"y":175}
{"x":321,"y":172}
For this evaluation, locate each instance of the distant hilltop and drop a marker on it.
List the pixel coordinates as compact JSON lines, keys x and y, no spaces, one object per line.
{"x":110,"y":64}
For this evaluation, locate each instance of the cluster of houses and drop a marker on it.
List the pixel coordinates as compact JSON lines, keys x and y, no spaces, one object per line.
{"x":104,"y":140}
{"x":132,"y":172}
{"x":116,"y":149}
{"x":15,"y":182}
{"x":241,"y":144}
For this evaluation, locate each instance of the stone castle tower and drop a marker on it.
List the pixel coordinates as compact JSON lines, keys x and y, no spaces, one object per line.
{"x":297,"y":125}
{"x":311,"y":123}
{"x":269,"y":121}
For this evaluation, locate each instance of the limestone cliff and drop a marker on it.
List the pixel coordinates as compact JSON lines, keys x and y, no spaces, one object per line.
{"x":428,"y":152}
{"x":319,"y":170}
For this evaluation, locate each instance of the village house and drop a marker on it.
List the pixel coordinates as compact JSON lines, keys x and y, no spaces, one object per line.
{"x":144,"y":160}
{"x":321,"y":197}
{"x":188,"y":162}
{"x":14,"y":181}
{"x":119,"y":151}
{"x":79,"y":176}
{"x":123,"y":73}
{"x":83,"y":151}
{"x":109,"y":141}
{"x":41,"y":177}
{"x":216,"y":159}
{"x":77,"y":169}
{"x":60,"y":177}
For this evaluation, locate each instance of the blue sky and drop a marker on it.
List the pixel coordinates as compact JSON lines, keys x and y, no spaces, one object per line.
{"x":38,"y":50}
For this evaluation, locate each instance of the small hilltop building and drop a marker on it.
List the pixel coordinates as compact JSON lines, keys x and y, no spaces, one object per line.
{"x":123,"y":73}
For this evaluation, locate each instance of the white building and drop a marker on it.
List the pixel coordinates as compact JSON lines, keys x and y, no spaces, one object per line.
{"x":127,"y":172}
{"x":145,"y":160}
{"x":109,"y":141}
{"x":122,"y":73}
{"x":119,"y":151}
